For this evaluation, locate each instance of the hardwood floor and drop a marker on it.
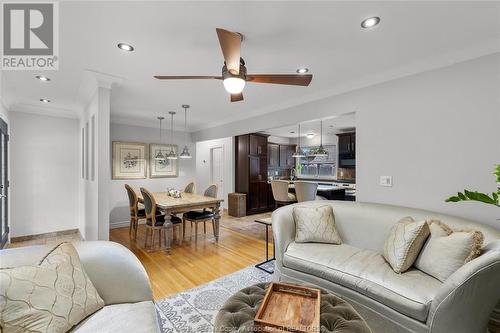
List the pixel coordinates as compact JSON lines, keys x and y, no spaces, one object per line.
{"x":190,"y":265}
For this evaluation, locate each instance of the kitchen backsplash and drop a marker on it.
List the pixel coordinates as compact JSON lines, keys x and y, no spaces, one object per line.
{"x":343,"y":173}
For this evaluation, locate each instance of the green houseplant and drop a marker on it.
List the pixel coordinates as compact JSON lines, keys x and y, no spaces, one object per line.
{"x":478,"y":196}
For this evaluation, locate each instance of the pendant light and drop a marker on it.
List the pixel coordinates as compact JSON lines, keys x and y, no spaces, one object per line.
{"x":299,"y":153}
{"x":172,"y":155}
{"x":321,"y":152}
{"x":185,"y":152}
{"x":159,"y":155}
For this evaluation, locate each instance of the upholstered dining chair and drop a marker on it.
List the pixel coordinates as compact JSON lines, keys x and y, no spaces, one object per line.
{"x":306,"y":191}
{"x":155,"y":221}
{"x":197,"y":216}
{"x":136,"y":211}
{"x":190,"y":188}
{"x":281,"y":194}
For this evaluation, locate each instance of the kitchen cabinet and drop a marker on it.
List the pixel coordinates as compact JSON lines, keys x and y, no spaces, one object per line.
{"x":273,"y":155}
{"x":251,"y":161}
{"x":347,"y":143}
{"x":347,"y":150}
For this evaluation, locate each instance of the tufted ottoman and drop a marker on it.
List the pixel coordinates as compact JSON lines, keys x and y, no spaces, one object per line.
{"x":238,"y":313}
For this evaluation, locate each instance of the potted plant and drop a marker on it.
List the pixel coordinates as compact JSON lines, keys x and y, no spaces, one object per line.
{"x":478,"y":196}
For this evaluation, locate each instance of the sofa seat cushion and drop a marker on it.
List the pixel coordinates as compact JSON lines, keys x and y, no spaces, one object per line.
{"x":126,"y":317}
{"x":366,"y":272}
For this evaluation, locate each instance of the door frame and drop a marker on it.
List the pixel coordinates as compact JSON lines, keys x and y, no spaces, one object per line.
{"x":4,"y":235}
{"x":221,"y":190}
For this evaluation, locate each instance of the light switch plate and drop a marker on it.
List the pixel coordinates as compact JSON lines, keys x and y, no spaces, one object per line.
{"x":386,"y":181}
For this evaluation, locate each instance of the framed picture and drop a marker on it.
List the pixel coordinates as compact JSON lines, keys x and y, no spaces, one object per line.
{"x":162,"y":168}
{"x":129,"y":160}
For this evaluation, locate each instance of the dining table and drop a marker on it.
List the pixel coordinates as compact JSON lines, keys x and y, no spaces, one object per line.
{"x":186,"y":202}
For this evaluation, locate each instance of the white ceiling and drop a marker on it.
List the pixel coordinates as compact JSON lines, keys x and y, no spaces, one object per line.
{"x":331,"y":125}
{"x":179,"y":38}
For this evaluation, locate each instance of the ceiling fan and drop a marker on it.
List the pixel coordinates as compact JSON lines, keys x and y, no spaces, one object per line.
{"x":234,"y":72}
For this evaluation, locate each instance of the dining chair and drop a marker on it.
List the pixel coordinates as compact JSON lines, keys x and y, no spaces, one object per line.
{"x":155,"y":221}
{"x":281,"y":194}
{"x":136,"y":211}
{"x":190,"y":188}
{"x":306,"y":191}
{"x":197,"y":216}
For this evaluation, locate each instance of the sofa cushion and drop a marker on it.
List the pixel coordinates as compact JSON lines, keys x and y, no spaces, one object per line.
{"x":367,"y":273}
{"x":50,"y":297}
{"x":315,"y":224}
{"x":404,"y":242}
{"x":127,"y":317}
{"x":446,"y":250}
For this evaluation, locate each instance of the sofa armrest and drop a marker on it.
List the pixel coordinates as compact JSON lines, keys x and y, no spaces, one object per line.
{"x":283,"y":231}
{"x":116,"y":273}
{"x":466,"y":299}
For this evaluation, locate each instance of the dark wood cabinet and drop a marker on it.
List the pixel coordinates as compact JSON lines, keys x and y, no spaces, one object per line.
{"x":347,"y":143}
{"x":273,"y":155}
{"x":251,"y":159}
{"x":347,"y":150}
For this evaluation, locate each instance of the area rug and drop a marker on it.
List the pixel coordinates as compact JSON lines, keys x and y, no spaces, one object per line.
{"x":194,"y":310}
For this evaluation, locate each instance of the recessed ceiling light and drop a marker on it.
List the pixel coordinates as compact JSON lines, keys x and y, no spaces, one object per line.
{"x":292,"y":132}
{"x":44,"y":100}
{"x":125,"y":47}
{"x":310,"y":135}
{"x":370,"y":22}
{"x":302,"y":70}
{"x":42,"y":78}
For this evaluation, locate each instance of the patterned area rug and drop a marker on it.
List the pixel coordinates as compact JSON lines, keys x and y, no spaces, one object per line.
{"x":195,"y":309}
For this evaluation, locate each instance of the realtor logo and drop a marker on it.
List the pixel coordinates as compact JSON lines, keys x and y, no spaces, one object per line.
{"x":30,"y":36}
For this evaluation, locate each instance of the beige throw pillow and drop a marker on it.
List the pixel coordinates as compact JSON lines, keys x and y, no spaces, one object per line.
{"x":404,"y":242}
{"x":51,"y":297}
{"x":446,"y":250}
{"x":315,"y":225}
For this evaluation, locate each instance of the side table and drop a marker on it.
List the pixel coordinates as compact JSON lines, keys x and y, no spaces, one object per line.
{"x":267,"y":222}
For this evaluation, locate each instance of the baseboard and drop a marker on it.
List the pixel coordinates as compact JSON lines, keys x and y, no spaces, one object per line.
{"x":123,"y":224}
{"x":45,"y":235}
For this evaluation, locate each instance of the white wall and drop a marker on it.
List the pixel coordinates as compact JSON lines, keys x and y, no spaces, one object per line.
{"x":436,"y":133}
{"x":119,"y":211}
{"x":203,"y":172}
{"x":44,"y":174}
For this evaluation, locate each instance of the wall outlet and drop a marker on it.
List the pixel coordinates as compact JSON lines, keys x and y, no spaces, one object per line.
{"x":386,"y":181}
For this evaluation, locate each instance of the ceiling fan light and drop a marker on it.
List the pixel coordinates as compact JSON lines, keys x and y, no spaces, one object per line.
{"x":185,"y":153}
{"x":234,"y":85}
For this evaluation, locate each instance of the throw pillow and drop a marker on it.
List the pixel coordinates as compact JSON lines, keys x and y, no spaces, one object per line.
{"x":404,"y":242}
{"x":50,"y":297}
{"x":315,"y":225}
{"x":447,"y":250}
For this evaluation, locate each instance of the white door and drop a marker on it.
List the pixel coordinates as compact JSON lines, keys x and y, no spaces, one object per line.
{"x":217,"y":170}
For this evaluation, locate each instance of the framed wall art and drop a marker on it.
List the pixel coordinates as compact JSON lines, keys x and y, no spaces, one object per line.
{"x":159,"y":165}
{"x":129,"y":160}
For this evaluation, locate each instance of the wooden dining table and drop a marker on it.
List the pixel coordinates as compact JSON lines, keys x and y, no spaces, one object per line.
{"x":188,"y":201}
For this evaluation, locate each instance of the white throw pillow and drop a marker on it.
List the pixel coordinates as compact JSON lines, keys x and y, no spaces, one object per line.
{"x":50,"y":297}
{"x":404,"y":242}
{"x":315,"y":225}
{"x":446,"y":250}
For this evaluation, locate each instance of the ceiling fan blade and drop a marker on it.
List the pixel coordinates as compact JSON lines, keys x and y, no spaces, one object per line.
{"x":290,"y":79}
{"x":177,"y":77}
{"x":236,"y":97}
{"x":230,"y":43}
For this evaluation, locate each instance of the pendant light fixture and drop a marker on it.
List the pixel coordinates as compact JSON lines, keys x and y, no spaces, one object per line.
{"x":159,"y":155}
{"x":299,"y":153}
{"x":321,"y":152}
{"x":172,"y":155}
{"x":185,"y":152}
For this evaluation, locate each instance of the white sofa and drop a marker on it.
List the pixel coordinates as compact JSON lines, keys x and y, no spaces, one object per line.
{"x":356,"y":270}
{"x":119,"y":278}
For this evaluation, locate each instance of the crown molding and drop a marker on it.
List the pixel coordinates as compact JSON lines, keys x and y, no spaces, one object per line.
{"x":90,"y":82}
{"x":45,"y":110}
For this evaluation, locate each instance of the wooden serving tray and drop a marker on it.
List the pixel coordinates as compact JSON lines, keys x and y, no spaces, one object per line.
{"x":289,"y":308}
